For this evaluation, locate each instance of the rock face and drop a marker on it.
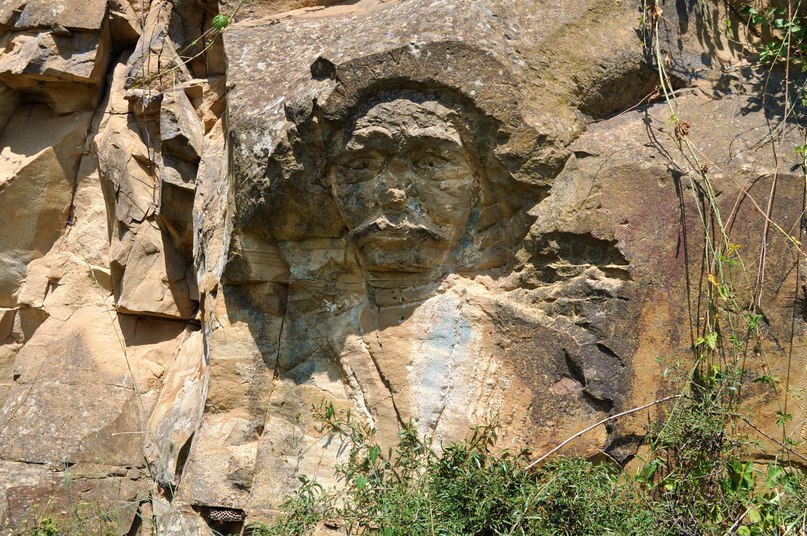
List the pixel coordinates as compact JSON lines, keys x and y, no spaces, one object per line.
{"x":424,"y":211}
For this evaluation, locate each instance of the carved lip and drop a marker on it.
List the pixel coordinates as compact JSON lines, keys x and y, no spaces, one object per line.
{"x":382,"y":230}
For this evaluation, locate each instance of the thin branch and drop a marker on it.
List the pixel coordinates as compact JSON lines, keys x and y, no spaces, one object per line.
{"x":736,"y":524}
{"x":598,"y":423}
{"x":768,"y":436}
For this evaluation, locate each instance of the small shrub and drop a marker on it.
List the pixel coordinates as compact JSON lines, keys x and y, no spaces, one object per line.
{"x":46,"y":527}
{"x":693,"y":484}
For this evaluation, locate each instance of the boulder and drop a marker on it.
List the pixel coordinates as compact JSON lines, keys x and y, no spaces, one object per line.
{"x":66,"y":14}
{"x":38,"y":167}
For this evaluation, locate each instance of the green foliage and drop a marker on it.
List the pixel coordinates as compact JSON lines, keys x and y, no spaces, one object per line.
{"x":788,"y":34}
{"x":468,"y":488}
{"x":73,"y":519}
{"x":47,"y":527}
{"x":696,"y":466}
{"x":694,"y":483}
{"x":220,"y":22}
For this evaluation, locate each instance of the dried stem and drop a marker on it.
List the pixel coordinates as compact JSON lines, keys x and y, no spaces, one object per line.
{"x":598,"y":423}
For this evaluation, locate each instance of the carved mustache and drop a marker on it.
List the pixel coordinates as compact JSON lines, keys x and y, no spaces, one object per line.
{"x":384,"y":226}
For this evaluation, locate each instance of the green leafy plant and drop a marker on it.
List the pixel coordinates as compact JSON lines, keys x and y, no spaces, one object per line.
{"x":467,"y":487}
{"x":46,"y":527}
{"x":787,"y":32}
{"x":220,"y":22}
{"x":695,"y":482}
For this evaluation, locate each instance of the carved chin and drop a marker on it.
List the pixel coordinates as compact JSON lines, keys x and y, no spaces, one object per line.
{"x":401,"y":254}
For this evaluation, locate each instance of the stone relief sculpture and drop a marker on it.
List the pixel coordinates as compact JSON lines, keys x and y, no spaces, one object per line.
{"x":404,"y":185}
{"x":412,"y":311}
{"x":408,"y":186}
{"x":429,"y":211}
{"x":381,"y":258}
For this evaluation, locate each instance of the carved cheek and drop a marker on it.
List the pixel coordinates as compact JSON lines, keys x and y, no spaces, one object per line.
{"x":447,"y":202}
{"x":357,"y":201}
{"x":450,"y":189}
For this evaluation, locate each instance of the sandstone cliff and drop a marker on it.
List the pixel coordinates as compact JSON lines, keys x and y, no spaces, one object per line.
{"x":426,"y":211}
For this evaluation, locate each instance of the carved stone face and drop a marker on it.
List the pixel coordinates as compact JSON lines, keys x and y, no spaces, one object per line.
{"x":404,"y":185}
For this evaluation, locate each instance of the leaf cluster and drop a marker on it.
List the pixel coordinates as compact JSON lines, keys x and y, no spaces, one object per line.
{"x":788,"y":34}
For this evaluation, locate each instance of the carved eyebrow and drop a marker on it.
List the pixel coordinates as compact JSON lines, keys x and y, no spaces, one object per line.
{"x":370,"y":136}
{"x":435,"y":135}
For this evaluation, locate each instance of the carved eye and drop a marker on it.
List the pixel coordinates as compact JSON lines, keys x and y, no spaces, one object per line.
{"x":430,"y":161}
{"x":359,"y":168}
{"x":362,"y":163}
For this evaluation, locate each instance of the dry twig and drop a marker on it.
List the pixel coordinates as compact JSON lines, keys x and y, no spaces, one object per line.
{"x":598,"y":423}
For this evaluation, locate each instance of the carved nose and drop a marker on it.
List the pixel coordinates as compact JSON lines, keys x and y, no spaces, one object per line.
{"x":396,"y":183}
{"x":394,"y":198}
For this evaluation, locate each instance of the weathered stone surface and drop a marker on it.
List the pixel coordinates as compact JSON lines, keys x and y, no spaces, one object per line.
{"x":181,"y":131}
{"x":50,"y":372}
{"x":8,"y":353}
{"x":126,"y":18}
{"x":91,"y":500}
{"x":87,"y":381}
{"x":8,"y":103}
{"x":179,"y":46}
{"x":154,"y":276}
{"x":38,"y":165}
{"x":221,"y":463}
{"x":627,"y":183}
{"x":178,"y":410}
{"x":262,"y":8}
{"x":90,"y":237}
{"x":173,"y":522}
{"x":210,"y":221}
{"x":56,"y":52}
{"x":23,"y":14}
{"x":207,"y":96}
{"x":151,"y":269}
{"x":47,"y":57}
{"x":432,"y":211}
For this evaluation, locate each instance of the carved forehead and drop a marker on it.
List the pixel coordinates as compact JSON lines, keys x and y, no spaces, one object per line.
{"x":405,"y":117}
{"x":407,"y":111}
